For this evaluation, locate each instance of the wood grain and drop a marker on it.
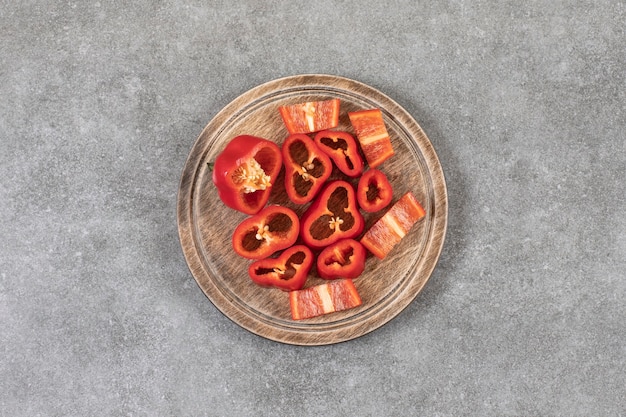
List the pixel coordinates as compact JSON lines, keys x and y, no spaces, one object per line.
{"x":205,"y":224}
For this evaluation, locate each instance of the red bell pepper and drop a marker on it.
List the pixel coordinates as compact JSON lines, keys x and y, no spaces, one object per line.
{"x":343,"y":150}
{"x":343,"y":259}
{"x":371,"y":132}
{"x":332,"y":216}
{"x":287,"y":272}
{"x":393,"y":226}
{"x":311,"y":116}
{"x":272,"y":229}
{"x":244,"y":172}
{"x":374,"y":192}
{"x":306,"y":168}
{"x":329,"y":297}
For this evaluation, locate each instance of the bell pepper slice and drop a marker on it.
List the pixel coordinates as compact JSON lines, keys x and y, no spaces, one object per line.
{"x":374,"y":191}
{"x":272,"y":229}
{"x":306,"y":168}
{"x":372,"y":134}
{"x":389,"y":230}
{"x":329,"y":297}
{"x":244,"y":172}
{"x":287,"y":272}
{"x":342,"y":149}
{"x":343,"y":259}
{"x":332,"y":216}
{"x":311,"y":116}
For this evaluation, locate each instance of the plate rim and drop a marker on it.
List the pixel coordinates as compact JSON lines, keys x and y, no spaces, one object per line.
{"x":337,"y":334}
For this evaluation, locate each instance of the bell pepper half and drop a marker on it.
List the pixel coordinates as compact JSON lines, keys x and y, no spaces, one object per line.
{"x":272,"y":229}
{"x":329,"y":297}
{"x":332,"y":216}
{"x":306,"y":168}
{"x":343,"y":259}
{"x":287,"y":272}
{"x":372,"y":134}
{"x":342,"y":149}
{"x":245,"y":171}
{"x":311,"y":116}
{"x":374,"y":191}
{"x":389,"y":230}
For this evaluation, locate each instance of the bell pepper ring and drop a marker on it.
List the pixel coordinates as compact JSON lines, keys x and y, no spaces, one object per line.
{"x":329,"y":297}
{"x":374,"y":191}
{"x":332,"y":216}
{"x":287,"y":272}
{"x":306,"y":168}
{"x":343,"y":259}
{"x":342,"y":149}
{"x":272,"y":229}
{"x":372,"y":135}
{"x":244,"y":172}
{"x":390,"y":229}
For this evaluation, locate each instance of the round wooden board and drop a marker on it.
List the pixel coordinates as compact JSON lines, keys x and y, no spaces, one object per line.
{"x":205,"y":224}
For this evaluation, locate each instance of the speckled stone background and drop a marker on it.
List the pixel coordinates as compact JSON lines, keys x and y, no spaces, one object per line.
{"x":100,"y":103}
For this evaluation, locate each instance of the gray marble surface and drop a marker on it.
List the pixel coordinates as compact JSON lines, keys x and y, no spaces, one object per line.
{"x":524,"y":102}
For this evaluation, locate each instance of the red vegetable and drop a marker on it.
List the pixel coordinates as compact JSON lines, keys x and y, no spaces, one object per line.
{"x":311,"y":116}
{"x":244,"y":172}
{"x":287,"y":272}
{"x":272,"y":229}
{"x":325,"y":298}
{"x":343,"y":259}
{"x":393,"y":226}
{"x":372,"y":135}
{"x":343,"y":150}
{"x":374,"y":191}
{"x":334,"y":215}
{"x":306,"y":168}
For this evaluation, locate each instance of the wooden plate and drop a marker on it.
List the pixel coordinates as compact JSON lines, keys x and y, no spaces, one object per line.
{"x":205,"y":224}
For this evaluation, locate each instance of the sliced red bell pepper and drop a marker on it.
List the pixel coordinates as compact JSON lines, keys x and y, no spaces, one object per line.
{"x":343,"y":259}
{"x":306,"y":168}
{"x":329,"y":297}
{"x":311,"y":116}
{"x":244,"y":172}
{"x":343,"y":150}
{"x":389,"y":230}
{"x":372,"y":134}
{"x":287,"y":272}
{"x":374,"y":191}
{"x":272,"y":229}
{"x":332,"y":216}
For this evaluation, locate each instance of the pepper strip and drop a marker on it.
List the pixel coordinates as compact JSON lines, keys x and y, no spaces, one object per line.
{"x":390,"y":229}
{"x":311,"y":116}
{"x":371,"y":132}
{"x":329,"y":297}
